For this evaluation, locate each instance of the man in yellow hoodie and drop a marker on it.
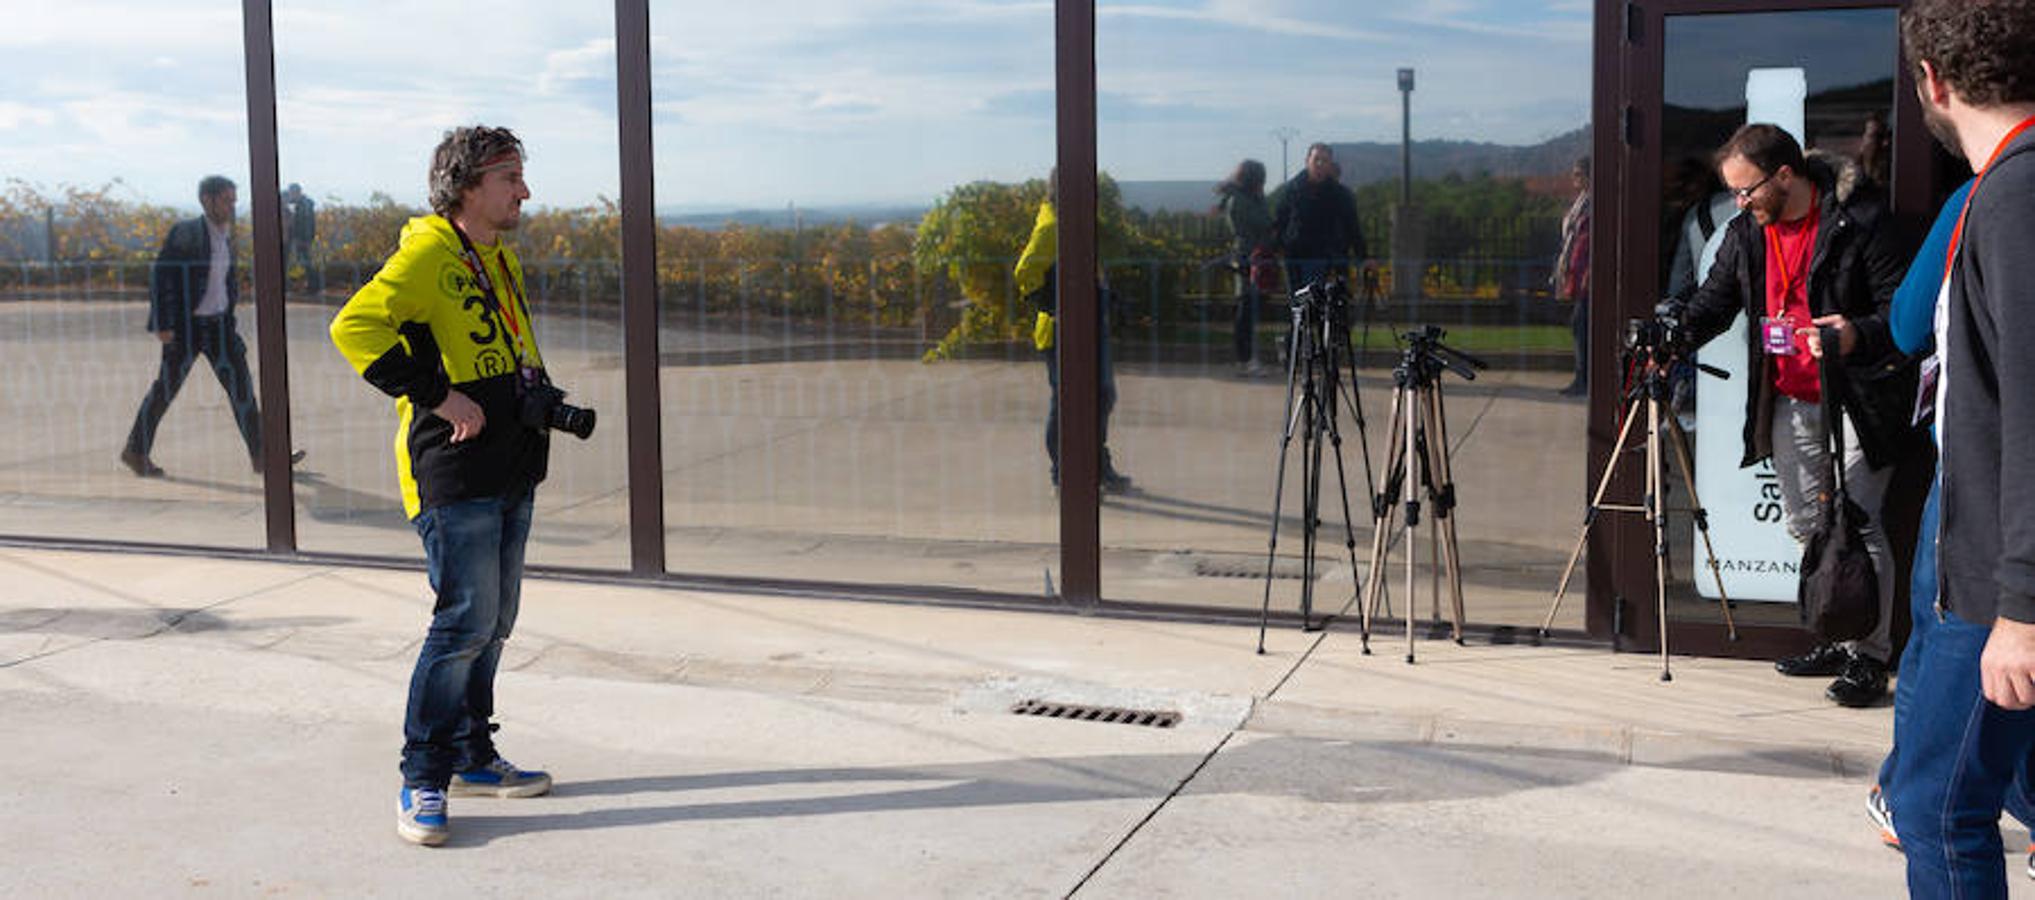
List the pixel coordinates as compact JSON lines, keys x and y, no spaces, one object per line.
{"x":444,"y":329}
{"x":1038,"y":283}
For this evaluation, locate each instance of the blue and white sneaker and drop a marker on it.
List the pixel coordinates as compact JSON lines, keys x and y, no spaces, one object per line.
{"x":500,"y":779}
{"x":420,"y":816}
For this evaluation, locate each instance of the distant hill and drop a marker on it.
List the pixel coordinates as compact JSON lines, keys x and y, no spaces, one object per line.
{"x":866,"y":214}
{"x":1367,"y":162}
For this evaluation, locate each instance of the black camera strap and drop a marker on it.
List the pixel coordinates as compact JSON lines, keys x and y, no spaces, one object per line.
{"x":514,"y":337}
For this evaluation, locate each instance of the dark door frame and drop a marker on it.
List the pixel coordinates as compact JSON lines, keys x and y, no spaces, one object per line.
{"x":1624,"y":266}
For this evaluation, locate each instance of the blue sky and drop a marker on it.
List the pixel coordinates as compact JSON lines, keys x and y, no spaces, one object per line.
{"x":763,"y":102}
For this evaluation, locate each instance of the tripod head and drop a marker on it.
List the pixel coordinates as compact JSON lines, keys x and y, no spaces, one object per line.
{"x":1426,"y":357}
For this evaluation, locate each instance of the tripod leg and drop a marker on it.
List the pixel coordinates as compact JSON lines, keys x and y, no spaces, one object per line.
{"x":1381,"y":527}
{"x":1310,"y":504}
{"x":1445,"y":506}
{"x":1342,"y":480}
{"x":1657,"y":511}
{"x":1412,"y":502}
{"x":1278,"y":495}
{"x":1590,"y":515}
{"x":1702,"y":516}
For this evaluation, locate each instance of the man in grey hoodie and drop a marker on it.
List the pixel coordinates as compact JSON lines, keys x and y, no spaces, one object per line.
{"x":1970,"y":725}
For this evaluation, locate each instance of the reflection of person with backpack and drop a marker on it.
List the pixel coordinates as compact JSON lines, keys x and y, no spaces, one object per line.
{"x":1038,"y":283}
{"x":1256,"y":253}
{"x":300,"y":228}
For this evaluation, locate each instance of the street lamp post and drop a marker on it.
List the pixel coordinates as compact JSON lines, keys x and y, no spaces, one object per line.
{"x":1409,"y":236}
{"x":1406,"y":136}
{"x":1284,"y":134}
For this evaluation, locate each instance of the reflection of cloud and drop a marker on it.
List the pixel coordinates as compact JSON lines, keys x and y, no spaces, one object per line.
{"x":16,"y":115}
{"x":590,"y":65}
{"x":763,"y":101}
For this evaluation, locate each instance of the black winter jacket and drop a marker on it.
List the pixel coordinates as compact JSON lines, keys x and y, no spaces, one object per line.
{"x":1856,"y":264}
{"x":1317,"y":222}
{"x":176,"y":281}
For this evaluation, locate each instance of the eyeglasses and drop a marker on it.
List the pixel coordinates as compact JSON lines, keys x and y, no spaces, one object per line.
{"x":1744,"y":194}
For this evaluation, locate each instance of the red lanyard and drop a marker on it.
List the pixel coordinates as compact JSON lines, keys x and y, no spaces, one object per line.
{"x":1957,"y":234}
{"x":1781,"y":258}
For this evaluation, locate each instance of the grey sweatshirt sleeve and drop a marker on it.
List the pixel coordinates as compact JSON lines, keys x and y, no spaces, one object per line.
{"x":2001,"y":223}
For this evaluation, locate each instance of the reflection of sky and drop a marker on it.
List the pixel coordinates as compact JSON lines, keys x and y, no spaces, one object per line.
{"x":763,"y":102}
{"x":1707,"y":56}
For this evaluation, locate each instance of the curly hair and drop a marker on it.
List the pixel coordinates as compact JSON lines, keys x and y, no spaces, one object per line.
{"x":462,"y":157}
{"x":1979,"y":47}
{"x":1766,"y":146}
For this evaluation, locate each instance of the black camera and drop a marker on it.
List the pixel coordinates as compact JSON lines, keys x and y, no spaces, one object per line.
{"x":1663,"y":332}
{"x":544,"y":406}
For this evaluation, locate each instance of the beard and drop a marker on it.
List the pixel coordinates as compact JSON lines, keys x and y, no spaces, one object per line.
{"x":1939,"y":125}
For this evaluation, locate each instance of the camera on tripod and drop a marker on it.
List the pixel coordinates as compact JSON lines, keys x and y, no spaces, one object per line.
{"x":544,"y":406}
{"x":1426,"y":356}
{"x":1327,"y":298}
{"x":1660,"y":336}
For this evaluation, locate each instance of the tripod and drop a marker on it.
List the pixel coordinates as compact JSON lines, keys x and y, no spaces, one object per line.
{"x":1655,"y":348}
{"x":1418,"y":450}
{"x":1318,"y":352}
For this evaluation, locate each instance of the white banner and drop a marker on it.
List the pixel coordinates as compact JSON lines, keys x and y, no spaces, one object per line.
{"x":1760,"y":561}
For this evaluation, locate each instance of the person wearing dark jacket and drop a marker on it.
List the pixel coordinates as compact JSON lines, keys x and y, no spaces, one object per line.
{"x":1814,"y":250}
{"x":1970,"y":726}
{"x":1253,"y":254}
{"x":193,"y":287}
{"x":1315,"y":222}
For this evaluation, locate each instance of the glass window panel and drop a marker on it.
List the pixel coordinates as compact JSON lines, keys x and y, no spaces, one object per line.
{"x":104,"y":137}
{"x":361,"y":104}
{"x":843,"y":190}
{"x":1841,"y":63}
{"x":1499,"y":114}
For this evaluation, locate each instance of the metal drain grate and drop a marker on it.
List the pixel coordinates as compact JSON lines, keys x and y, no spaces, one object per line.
{"x":1283,"y":569}
{"x":1148,"y":718}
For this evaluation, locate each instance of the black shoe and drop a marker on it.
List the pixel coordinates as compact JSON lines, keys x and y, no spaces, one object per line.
{"x":1575,"y":389}
{"x":1863,"y":683}
{"x":1115,"y":482}
{"x":1821,"y":661}
{"x":140,"y":464}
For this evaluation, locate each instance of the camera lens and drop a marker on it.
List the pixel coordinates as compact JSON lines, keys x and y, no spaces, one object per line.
{"x":572,"y":420}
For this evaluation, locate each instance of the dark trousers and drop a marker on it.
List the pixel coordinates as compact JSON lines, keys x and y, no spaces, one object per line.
{"x":473,"y":550}
{"x":1579,"y":330}
{"x":1107,"y":403}
{"x":214,"y":338}
{"x":1246,"y":323}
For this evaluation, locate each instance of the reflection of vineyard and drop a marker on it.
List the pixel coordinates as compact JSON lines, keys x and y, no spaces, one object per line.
{"x":802,"y":437}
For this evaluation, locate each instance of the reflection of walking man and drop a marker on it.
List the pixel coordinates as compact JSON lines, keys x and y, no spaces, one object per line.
{"x":193,"y":286}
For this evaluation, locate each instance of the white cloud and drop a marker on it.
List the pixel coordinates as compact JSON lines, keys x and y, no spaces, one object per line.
{"x":20,"y":115}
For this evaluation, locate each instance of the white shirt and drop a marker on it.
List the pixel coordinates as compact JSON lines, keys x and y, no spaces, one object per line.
{"x":214,"y":302}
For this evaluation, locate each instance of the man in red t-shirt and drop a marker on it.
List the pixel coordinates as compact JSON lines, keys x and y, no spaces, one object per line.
{"x":1814,"y":249}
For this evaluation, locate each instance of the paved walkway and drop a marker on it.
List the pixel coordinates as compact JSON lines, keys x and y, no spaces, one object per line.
{"x":201,"y":726}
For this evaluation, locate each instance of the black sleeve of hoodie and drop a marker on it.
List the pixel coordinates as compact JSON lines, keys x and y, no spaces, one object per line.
{"x":1714,"y":304}
{"x":2001,"y":219}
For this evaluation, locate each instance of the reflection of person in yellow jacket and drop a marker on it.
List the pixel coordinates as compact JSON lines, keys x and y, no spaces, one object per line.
{"x":1038,"y":284}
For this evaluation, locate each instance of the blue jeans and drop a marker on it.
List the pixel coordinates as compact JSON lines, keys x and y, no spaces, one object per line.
{"x":1958,"y":760}
{"x":474,"y":549}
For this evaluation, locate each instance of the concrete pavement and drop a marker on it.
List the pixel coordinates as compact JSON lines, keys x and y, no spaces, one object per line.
{"x":218,"y":727}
